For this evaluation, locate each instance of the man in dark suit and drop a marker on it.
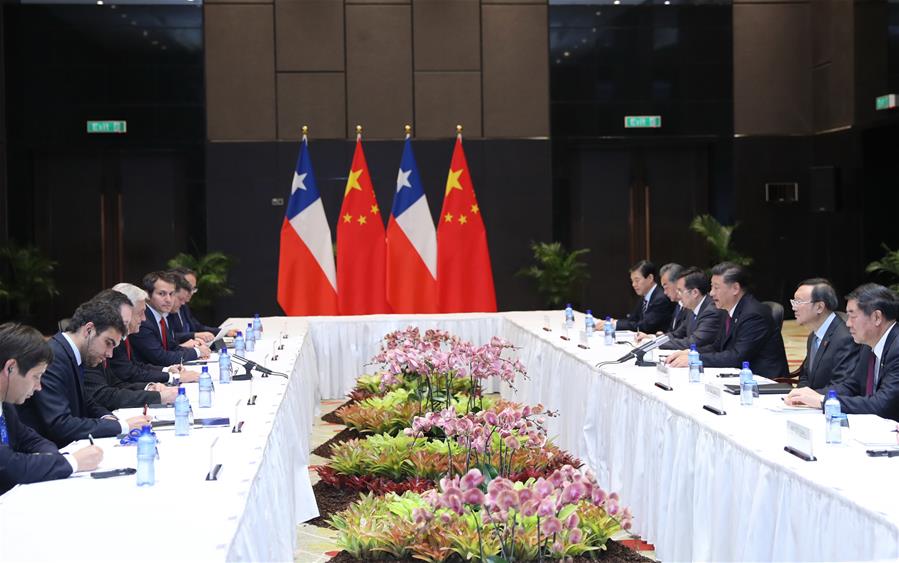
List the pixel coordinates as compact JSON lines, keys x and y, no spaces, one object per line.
{"x":831,"y":354}
{"x":179,"y":321}
{"x":108,"y":390}
{"x":155,"y":342}
{"x":668,"y":275}
{"x":874,"y":386}
{"x":749,"y":333}
{"x":653,"y":311}
{"x":26,"y":457}
{"x":62,"y":411}
{"x":187,"y":313}
{"x":129,"y":370}
{"x":703,"y":319}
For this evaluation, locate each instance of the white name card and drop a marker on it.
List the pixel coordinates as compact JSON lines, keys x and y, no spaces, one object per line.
{"x":714,"y":402}
{"x":663,"y":376}
{"x":584,"y":339}
{"x":799,"y":441}
{"x":547,"y":326}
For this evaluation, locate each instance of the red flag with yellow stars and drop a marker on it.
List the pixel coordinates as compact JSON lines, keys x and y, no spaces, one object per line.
{"x":464,"y":275}
{"x":361,"y":245}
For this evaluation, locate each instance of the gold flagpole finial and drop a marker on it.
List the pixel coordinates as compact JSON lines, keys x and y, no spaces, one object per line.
{"x":305,"y":129}
{"x":459,"y":129}
{"x":358,"y":129}
{"x":408,"y":129}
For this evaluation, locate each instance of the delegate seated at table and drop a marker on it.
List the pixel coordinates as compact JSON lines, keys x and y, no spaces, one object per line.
{"x":25,"y":456}
{"x":874,"y":386}
{"x":653,"y":311}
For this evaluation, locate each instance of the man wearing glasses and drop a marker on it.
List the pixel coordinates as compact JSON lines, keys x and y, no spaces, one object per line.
{"x":702,"y":322}
{"x":186,"y":314}
{"x":831,"y":354}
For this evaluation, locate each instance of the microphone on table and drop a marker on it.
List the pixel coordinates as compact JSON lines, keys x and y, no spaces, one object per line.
{"x":250,"y":365}
{"x":640,"y":351}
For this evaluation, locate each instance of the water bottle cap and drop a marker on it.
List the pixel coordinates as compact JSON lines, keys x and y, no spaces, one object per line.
{"x":224,"y":352}
{"x":589,"y":312}
{"x":182,"y":390}
{"x":568,"y":306}
{"x":608,"y":317}
{"x":831,"y":394}
{"x":239,"y":333}
{"x":256,"y":316}
{"x":745,"y":365}
{"x":205,"y":369}
{"x":146,"y":429}
{"x":692,"y":347}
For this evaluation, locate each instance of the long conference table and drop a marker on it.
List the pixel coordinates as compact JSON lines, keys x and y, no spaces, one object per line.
{"x":701,"y":486}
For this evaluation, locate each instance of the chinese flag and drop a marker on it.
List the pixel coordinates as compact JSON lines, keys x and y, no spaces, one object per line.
{"x":464,"y":275}
{"x":361,"y":245}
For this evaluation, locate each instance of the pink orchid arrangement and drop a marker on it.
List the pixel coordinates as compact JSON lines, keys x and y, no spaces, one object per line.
{"x":557,"y":502}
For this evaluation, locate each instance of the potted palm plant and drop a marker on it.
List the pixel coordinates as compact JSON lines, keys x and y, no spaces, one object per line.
{"x":558,"y":272}
{"x":719,"y":237}
{"x":212,"y":276}
{"x":26,"y":278}
{"x":888,"y":265}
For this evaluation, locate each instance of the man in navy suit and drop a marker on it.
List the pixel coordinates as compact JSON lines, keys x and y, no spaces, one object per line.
{"x":749,"y":333}
{"x":155,"y":342}
{"x":703,"y":319}
{"x":26,"y":457}
{"x":874,"y":386}
{"x":831,"y":353}
{"x":653,"y":311}
{"x":178,"y":317}
{"x":668,"y":275}
{"x":187,"y":313}
{"x":62,"y":411}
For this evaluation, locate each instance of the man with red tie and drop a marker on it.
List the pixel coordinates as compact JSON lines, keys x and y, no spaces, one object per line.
{"x":874,"y":387}
{"x":155,"y":343}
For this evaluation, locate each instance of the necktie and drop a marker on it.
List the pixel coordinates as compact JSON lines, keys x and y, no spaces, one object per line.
{"x":692,"y":322}
{"x":726,"y":326}
{"x":677,"y":311}
{"x":128,"y":348}
{"x":645,"y":305}
{"x":869,"y":386}
{"x":813,"y":352}
{"x":164,"y":330}
{"x":184,"y":320}
{"x":4,"y":433}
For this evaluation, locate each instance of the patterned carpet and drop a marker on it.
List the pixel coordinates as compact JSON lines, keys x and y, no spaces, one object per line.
{"x":318,"y":545}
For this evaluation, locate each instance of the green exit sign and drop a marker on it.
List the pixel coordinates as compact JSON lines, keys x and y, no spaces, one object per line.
{"x":887,"y":101}
{"x":107,"y":126}
{"x":642,"y":121}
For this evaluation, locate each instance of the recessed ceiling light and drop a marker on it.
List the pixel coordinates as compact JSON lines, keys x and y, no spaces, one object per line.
{"x":566,"y":54}
{"x":616,"y":2}
{"x":99,"y":2}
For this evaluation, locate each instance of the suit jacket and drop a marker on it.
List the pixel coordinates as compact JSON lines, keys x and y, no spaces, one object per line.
{"x":146,"y":345}
{"x":196,"y":325}
{"x":678,"y":317}
{"x":656,"y":318}
{"x":29,"y":458}
{"x":753,"y":338}
{"x":130,"y":371}
{"x":182,"y":332}
{"x":61,"y":411}
{"x":884,"y":401}
{"x":836,"y":358}
{"x":109,"y":391}
{"x":703,"y":330}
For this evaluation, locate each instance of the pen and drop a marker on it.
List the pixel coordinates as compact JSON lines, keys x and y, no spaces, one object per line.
{"x":146,"y":406}
{"x":91,"y":438}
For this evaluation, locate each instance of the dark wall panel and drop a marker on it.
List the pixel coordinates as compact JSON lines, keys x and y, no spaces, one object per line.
{"x":379,"y":69}
{"x":240,"y":72}
{"x":314,"y":99}
{"x":309,"y":35}
{"x":772,"y":62}
{"x":516,"y":71}
{"x":443,"y":99}
{"x":447,"y":35}
{"x":511,"y":179}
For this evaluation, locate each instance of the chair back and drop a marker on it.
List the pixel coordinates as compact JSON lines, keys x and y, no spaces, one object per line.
{"x":777,"y":313}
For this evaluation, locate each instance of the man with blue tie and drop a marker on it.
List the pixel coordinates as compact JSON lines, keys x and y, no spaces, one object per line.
{"x":62,"y":411}
{"x":155,"y":342}
{"x":25,"y":456}
{"x":703,"y":320}
{"x":831,"y":354}
{"x":873,"y":388}
{"x":178,"y":318}
{"x":653,"y":312}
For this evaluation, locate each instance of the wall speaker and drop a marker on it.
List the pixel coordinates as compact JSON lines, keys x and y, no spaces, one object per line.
{"x":823,"y":195}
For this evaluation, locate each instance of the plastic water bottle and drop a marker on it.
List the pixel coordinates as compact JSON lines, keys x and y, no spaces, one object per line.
{"x":182,"y":413}
{"x":205,"y":389}
{"x":589,"y":324}
{"x":693,"y":362}
{"x":747,"y":385}
{"x":224,"y":366}
{"x":146,"y":457}
{"x":240,"y":347}
{"x":249,"y":338}
{"x":257,"y":327}
{"x":609,"y":332}
{"x":832,"y":418}
{"x":700,"y":373}
{"x":569,"y":316}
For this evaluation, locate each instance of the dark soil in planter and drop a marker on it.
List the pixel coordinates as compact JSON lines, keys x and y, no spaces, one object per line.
{"x":615,"y":552}
{"x":330,"y":501}
{"x":324,"y":450}
{"x":332,"y":416}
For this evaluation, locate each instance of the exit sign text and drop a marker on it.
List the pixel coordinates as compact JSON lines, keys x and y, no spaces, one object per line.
{"x":642,"y":121}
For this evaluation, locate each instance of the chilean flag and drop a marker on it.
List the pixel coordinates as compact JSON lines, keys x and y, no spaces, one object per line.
{"x":306,"y":274}
{"x":411,"y":244}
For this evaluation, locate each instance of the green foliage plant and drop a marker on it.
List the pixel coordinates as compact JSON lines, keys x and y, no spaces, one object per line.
{"x":27,"y":278}
{"x":888,"y":265}
{"x":718,"y":237}
{"x":212,"y":276}
{"x":557,"y":272}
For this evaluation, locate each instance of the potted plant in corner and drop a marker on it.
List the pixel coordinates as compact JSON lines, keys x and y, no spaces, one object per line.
{"x":26,"y":278}
{"x":889,"y":265}
{"x":558,"y":273}
{"x":212,"y":276}
{"x":718,"y":237}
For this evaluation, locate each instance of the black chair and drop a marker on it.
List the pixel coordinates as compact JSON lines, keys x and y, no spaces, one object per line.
{"x":777,"y":313}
